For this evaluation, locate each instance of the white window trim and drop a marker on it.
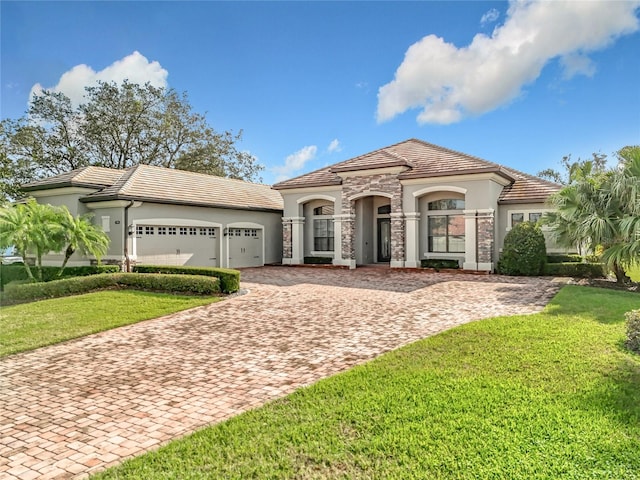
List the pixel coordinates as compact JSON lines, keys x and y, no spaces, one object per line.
{"x":526,"y":214}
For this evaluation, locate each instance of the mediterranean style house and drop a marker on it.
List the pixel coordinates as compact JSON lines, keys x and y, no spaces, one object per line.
{"x":405,"y":203}
{"x":163,"y":216}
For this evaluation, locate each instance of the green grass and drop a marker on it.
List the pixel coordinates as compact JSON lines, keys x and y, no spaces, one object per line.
{"x":32,"y":325}
{"x":544,"y":396}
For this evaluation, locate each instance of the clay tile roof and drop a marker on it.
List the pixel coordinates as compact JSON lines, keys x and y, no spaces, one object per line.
{"x":91,"y":177}
{"x":424,"y":160}
{"x":166,"y":185}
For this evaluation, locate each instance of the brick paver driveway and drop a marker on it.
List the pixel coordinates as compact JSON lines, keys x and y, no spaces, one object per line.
{"x":81,"y":406}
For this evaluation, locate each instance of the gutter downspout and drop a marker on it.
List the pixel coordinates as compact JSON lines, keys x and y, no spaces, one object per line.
{"x":125,"y":250}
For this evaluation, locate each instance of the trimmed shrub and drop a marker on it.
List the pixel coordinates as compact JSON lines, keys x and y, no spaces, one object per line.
{"x":524,"y":251}
{"x":633,"y":330}
{"x":11,"y":273}
{"x":438,"y":263}
{"x":564,"y":258}
{"x":229,"y":278}
{"x":580,"y":270}
{"x":318,"y":260}
{"x":192,"y":284}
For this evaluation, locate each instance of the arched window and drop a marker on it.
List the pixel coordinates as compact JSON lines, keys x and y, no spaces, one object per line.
{"x":446,"y":226}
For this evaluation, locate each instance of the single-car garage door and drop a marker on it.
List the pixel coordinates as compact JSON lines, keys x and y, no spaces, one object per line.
{"x":176,"y":245}
{"x":245,"y":247}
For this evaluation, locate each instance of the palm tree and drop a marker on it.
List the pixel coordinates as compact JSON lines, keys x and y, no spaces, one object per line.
{"x":45,"y":231}
{"x":15,"y":227}
{"x":601,"y":209}
{"x":81,"y":235}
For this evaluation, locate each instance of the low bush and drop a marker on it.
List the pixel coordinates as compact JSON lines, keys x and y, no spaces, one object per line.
{"x":229,"y":278}
{"x":564,"y":258}
{"x":192,"y":284}
{"x":579,"y":270}
{"x":439,"y":263}
{"x":524,"y":252}
{"x":11,"y":273}
{"x":318,"y":260}
{"x":633,"y":331}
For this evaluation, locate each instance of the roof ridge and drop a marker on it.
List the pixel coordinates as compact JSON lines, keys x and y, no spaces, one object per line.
{"x":457,"y":152}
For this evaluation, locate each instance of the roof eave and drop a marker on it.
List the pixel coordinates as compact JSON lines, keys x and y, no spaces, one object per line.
{"x":515,"y":201}
{"x":105,"y":198}
{"x":52,"y":186}
{"x":279,"y":186}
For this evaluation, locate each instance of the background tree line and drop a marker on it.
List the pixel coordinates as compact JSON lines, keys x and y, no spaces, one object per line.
{"x":116,"y":126}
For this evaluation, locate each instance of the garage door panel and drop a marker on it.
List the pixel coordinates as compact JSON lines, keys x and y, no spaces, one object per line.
{"x":174,"y":245}
{"x":245,"y":247}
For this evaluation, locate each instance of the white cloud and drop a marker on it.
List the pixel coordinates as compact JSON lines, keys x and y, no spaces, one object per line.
{"x":449,"y":83}
{"x":490,"y":17}
{"x":135,"y":68}
{"x":295,"y":162}
{"x":334,"y":146}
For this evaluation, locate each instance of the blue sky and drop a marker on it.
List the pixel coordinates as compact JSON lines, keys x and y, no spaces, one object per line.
{"x":314,"y":83}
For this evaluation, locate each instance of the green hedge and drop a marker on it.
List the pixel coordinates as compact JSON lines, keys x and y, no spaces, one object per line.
{"x":439,"y":263}
{"x":193,"y":284}
{"x":564,"y":259}
{"x":229,"y":279}
{"x":571,"y":269}
{"x":318,"y":260}
{"x":12,"y":273}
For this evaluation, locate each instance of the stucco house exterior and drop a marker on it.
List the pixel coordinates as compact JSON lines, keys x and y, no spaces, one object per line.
{"x":405,"y":203}
{"x":163,"y":216}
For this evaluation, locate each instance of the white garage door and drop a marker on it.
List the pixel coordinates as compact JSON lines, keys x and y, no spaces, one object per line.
{"x":245,"y":247}
{"x":174,"y":245}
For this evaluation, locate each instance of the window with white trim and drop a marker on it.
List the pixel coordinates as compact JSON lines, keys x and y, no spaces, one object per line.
{"x":516,"y":218}
{"x":445,"y":226}
{"x":172,"y":230}
{"x":323,"y":229}
{"x":148,"y":230}
{"x":162,"y":230}
{"x":139,"y":230}
{"x":183,"y":230}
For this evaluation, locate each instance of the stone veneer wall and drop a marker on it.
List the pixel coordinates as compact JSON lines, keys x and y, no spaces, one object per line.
{"x":486,"y":238}
{"x":384,"y":183}
{"x":287,"y":239}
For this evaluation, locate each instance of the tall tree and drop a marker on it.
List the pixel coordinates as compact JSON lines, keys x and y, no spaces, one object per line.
{"x":79,"y":234}
{"x":601,"y":209}
{"x":597,"y":163}
{"x":15,"y":226}
{"x":116,"y":126}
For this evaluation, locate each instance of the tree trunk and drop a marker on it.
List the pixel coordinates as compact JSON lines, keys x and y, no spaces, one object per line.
{"x":67,"y":255}
{"x":621,"y":276}
{"x":26,"y":265}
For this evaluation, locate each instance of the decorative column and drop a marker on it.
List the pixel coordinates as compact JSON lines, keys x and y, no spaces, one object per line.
{"x":297,"y":240}
{"x":347,"y":240}
{"x":479,"y":231}
{"x":412,"y":239}
{"x":287,"y":241}
{"x":397,"y":240}
{"x":337,"y":240}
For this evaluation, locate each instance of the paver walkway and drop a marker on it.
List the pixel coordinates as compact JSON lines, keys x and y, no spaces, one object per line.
{"x":78,"y":407}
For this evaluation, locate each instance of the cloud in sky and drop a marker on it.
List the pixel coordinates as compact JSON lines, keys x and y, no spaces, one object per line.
{"x":334,"y":146}
{"x":449,"y":83}
{"x":490,"y":17}
{"x":135,"y":68}
{"x":294,"y":162}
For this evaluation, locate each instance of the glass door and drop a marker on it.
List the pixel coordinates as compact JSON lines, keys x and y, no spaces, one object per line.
{"x":384,"y":240}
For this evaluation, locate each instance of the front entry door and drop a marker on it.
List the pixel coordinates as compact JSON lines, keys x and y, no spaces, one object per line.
{"x":384,"y":240}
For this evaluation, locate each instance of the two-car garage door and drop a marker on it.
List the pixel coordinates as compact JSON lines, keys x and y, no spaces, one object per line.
{"x":198,"y":246}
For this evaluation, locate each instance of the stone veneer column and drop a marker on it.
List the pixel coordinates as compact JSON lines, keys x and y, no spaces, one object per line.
{"x":479,"y":233}
{"x":287,"y":241}
{"x":412,"y":239}
{"x":397,"y":240}
{"x":348,"y":240}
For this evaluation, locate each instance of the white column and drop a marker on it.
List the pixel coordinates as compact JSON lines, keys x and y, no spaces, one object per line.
{"x":470,"y":241}
{"x":412,"y":239}
{"x":297,"y":240}
{"x":337,"y":240}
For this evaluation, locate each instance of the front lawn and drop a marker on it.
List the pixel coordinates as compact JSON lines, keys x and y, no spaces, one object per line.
{"x":550,"y":395}
{"x":32,"y":325}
